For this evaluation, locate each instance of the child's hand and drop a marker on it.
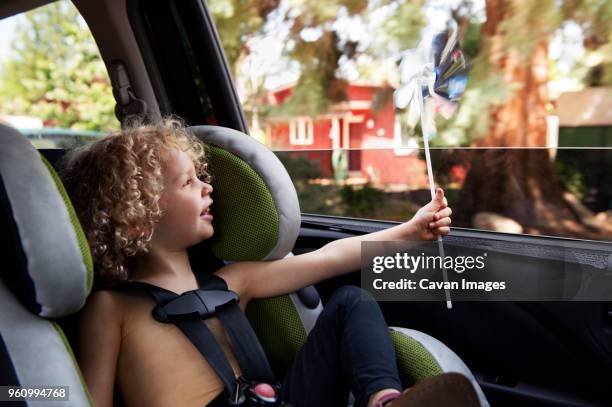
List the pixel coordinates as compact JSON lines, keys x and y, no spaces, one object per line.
{"x":433,"y":219}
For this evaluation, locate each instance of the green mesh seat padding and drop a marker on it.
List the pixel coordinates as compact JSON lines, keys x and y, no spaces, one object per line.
{"x":278,"y":327}
{"x":76,"y":225}
{"x":282,"y":334}
{"x":250,"y":217}
{"x":414,"y":361}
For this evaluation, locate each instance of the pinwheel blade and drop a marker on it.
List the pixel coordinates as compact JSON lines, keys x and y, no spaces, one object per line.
{"x":433,"y":78}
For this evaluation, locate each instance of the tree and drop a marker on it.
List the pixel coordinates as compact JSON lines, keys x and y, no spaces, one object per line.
{"x":55,"y":72}
{"x":593,"y":17}
{"x":515,"y":182}
{"x":236,"y":22}
{"x":320,"y":83}
{"x":316,"y":43}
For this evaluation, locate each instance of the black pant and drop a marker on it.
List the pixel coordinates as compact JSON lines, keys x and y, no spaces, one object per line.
{"x":348,"y":349}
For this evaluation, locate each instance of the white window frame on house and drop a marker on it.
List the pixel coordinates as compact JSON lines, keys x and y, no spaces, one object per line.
{"x":301,"y":131}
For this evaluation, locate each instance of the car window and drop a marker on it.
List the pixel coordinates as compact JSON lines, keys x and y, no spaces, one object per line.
{"x":528,"y":150}
{"x":54,"y":86}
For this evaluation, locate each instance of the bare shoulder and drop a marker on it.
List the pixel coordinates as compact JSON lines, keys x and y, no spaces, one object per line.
{"x":102,"y":316}
{"x":103,"y":304}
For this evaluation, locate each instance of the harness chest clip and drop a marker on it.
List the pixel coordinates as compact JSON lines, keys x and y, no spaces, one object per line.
{"x":201,"y":303}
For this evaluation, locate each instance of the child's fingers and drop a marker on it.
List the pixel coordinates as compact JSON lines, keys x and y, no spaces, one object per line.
{"x":443,"y":213}
{"x":442,"y":222}
{"x":443,"y":231}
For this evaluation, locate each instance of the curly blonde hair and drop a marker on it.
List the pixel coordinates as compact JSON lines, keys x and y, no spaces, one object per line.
{"x":115,"y":184}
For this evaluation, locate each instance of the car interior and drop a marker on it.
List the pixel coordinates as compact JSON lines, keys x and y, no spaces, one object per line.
{"x":166,"y":58}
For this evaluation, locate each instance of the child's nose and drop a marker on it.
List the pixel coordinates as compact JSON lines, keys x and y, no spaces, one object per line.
{"x":207,"y":190}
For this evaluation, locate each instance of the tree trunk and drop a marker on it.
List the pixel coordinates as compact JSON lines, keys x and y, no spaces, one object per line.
{"x":512,"y":177}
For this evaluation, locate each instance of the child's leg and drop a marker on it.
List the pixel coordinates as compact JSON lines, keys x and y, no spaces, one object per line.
{"x":348,"y":348}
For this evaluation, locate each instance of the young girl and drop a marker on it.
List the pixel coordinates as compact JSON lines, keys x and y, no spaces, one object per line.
{"x":143,"y":197}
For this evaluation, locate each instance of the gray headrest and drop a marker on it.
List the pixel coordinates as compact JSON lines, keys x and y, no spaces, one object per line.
{"x":48,"y":265}
{"x":256,"y":210}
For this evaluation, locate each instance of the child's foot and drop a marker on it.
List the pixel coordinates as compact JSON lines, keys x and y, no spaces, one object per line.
{"x":446,"y":389}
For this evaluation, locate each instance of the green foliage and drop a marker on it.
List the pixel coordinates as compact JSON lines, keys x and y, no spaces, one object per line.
{"x":320,"y":199}
{"x":319,"y":84}
{"x":313,"y":198}
{"x":525,"y":26}
{"x":471,"y":40}
{"x":571,"y":178}
{"x":55,"y":72}
{"x":237,"y":21}
{"x":300,"y":168}
{"x":593,"y":16}
{"x":310,"y":97}
{"x":522,"y":27}
{"x":401,"y":30}
{"x":319,"y":55}
{"x":587,"y":173}
{"x":361,"y":201}
{"x":348,"y":200}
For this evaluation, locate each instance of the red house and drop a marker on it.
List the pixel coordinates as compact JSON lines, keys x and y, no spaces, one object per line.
{"x":372,"y":138}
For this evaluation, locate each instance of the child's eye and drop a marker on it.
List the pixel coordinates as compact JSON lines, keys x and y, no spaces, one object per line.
{"x":204,"y":178}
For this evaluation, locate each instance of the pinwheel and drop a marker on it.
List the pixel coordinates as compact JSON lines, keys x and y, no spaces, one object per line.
{"x":435,"y":72}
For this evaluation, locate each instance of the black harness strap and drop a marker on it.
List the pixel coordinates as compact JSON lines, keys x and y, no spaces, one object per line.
{"x":248,"y":350}
{"x":213,"y":298}
{"x":208,"y":346}
{"x":195,"y":330}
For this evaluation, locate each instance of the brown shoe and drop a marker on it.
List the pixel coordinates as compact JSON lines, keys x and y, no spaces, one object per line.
{"x":443,"y":390}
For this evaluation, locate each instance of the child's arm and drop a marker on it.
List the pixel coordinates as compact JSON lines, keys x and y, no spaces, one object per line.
{"x":99,"y":340}
{"x":271,"y":278}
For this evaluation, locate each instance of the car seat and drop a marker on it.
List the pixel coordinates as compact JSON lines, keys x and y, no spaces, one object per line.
{"x":49,"y":268}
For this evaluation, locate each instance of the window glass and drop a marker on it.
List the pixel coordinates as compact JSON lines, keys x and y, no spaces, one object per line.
{"x":53,"y":84}
{"x":528,"y":149}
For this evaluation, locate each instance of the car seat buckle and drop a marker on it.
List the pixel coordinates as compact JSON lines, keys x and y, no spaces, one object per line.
{"x":201,"y":303}
{"x":260,"y":394}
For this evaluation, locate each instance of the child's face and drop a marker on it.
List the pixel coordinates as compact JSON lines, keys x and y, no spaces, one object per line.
{"x":185,"y":200}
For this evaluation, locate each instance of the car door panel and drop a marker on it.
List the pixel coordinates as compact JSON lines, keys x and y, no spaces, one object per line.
{"x":524,"y":353}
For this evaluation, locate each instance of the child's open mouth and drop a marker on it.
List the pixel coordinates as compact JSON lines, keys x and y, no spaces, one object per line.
{"x":206,"y":214}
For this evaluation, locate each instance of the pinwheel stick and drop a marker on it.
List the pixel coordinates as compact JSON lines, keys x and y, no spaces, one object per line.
{"x":432,"y":186}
